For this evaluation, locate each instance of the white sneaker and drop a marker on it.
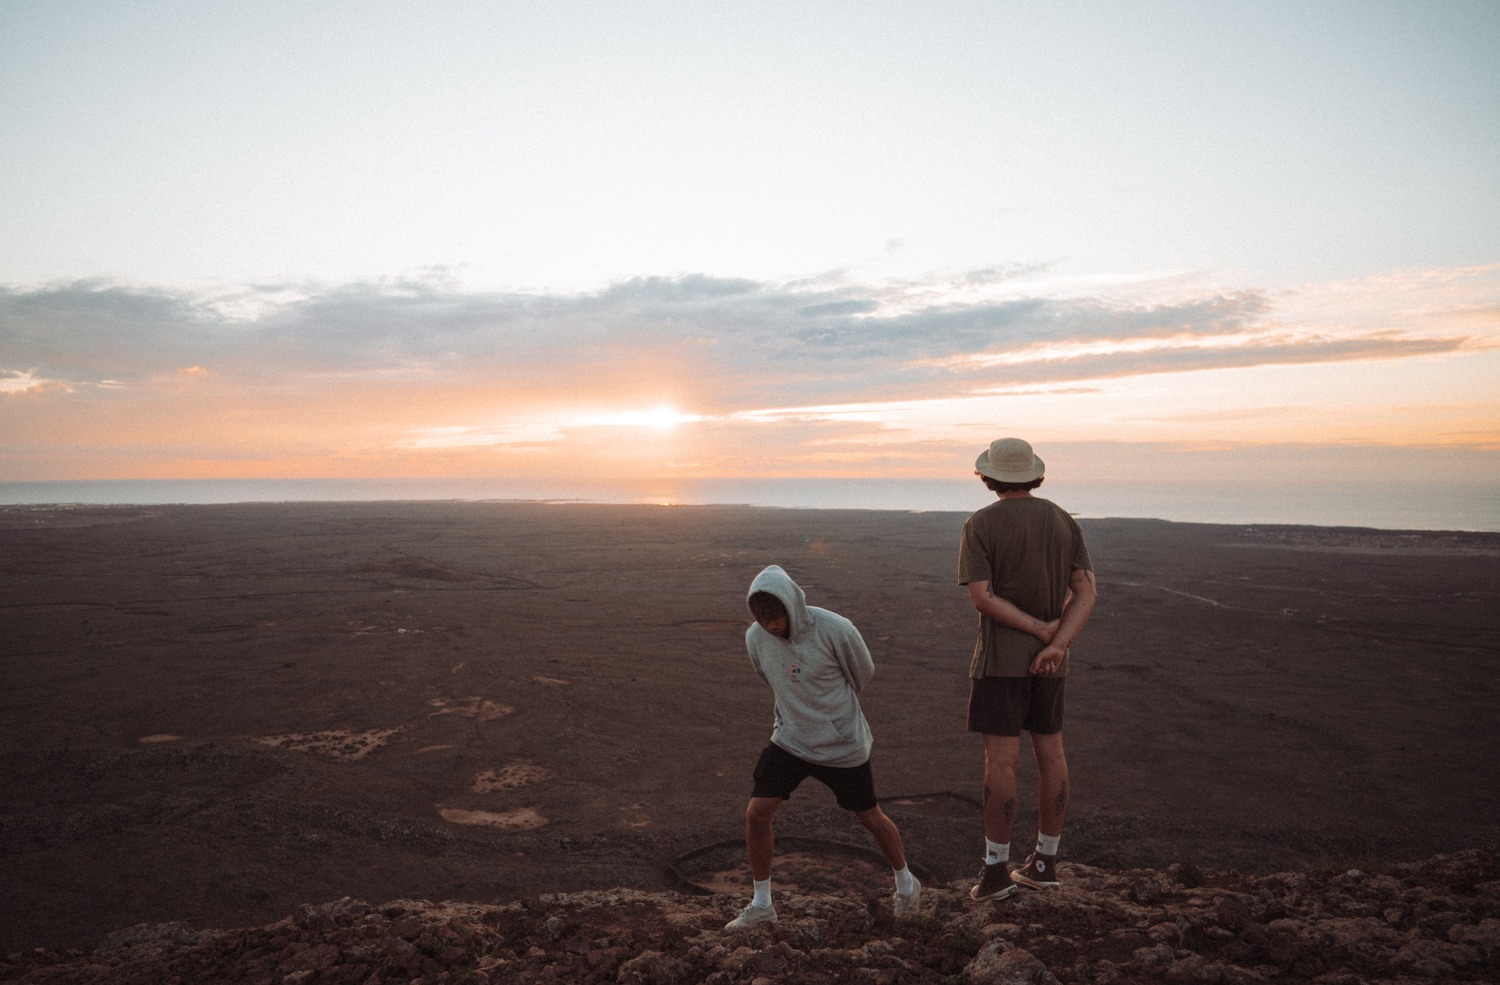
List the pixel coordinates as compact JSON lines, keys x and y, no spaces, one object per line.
{"x":904,"y":903}
{"x":752,"y":915}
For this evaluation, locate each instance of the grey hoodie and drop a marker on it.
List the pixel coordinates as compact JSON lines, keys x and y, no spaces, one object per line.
{"x":815,"y":674}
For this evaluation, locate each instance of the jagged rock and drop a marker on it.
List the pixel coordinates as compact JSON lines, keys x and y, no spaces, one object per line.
{"x":653,"y":968}
{"x":1484,"y":935}
{"x":1435,"y":959}
{"x":1436,"y":921}
{"x":1000,"y":964}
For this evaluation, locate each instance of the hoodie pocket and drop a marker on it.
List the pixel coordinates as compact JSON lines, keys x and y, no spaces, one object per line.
{"x":828,"y":737}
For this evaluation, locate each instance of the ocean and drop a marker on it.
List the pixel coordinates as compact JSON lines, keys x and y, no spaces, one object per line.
{"x":1388,"y":506}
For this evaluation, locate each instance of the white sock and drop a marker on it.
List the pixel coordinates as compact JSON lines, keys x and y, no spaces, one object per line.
{"x":904,"y":881}
{"x":762,"y":892}
{"x":995,"y":852}
{"x":1047,"y":844}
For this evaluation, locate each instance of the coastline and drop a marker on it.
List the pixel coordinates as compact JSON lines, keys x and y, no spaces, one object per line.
{"x":1412,"y":505}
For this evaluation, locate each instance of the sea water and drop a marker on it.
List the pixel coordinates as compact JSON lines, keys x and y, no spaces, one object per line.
{"x":1388,"y":506}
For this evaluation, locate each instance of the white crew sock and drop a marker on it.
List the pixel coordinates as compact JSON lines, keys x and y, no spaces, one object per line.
{"x":995,"y":852}
{"x":762,"y":892}
{"x":904,"y":881}
{"x":1047,"y":844}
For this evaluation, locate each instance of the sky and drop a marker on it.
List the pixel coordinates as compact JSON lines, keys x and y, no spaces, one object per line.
{"x":1167,"y":242}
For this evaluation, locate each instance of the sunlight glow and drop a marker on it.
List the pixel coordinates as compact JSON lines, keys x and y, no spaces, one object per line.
{"x":663,"y":418}
{"x":19,"y":382}
{"x":474,"y":437}
{"x":1063,"y":351}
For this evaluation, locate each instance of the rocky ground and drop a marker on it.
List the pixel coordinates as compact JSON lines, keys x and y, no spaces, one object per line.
{"x":1432,"y":921}
{"x":542,"y":716}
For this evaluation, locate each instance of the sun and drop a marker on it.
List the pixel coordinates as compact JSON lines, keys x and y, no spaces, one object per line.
{"x":663,"y":418}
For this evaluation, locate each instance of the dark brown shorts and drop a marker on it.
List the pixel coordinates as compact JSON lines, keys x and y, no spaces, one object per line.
{"x":1007,"y":705}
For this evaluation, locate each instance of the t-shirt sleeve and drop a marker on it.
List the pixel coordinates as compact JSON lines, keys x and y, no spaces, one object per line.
{"x":1080,"y":550}
{"x":973,"y":560}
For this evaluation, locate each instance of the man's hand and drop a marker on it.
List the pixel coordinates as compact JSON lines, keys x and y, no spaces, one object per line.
{"x":1049,"y":659}
{"x":1083,"y":593}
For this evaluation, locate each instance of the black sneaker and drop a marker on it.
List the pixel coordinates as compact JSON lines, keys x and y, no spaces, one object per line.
{"x":994,"y":883}
{"x":1039,"y":872}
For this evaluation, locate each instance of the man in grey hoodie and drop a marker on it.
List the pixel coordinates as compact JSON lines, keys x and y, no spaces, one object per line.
{"x":816,"y":664}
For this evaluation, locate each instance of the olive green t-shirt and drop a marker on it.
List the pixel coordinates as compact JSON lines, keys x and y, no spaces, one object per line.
{"x":1027,"y":549}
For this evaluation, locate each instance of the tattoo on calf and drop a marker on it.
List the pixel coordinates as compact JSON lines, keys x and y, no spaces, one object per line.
{"x":1062,"y":799}
{"x":1010,"y":809}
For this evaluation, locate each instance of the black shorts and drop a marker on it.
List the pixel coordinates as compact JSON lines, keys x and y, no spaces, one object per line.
{"x":1006,"y":705}
{"x":778,"y":773}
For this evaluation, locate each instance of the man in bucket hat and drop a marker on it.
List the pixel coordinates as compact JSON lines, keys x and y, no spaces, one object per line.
{"x":1028,"y":573}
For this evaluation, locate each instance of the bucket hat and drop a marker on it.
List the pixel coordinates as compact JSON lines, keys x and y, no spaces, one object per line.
{"x":1009,"y":460}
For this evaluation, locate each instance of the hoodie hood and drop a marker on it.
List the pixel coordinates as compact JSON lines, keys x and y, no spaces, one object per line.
{"x":775,"y":581}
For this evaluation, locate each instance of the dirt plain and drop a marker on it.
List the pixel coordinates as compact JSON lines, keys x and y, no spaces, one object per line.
{"x":215,"y":714}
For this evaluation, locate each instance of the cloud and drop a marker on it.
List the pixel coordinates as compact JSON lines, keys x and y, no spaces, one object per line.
{"x":726,"y":345}
{"x":12,"y":381}
{"x":91,"y":331}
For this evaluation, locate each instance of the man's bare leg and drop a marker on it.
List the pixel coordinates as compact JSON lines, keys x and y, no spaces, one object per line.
{"x":760,"y":835}
{"x":760,"y":845}
{"x":887,"y":837}
{"x":1001,"y":753}
{"x":1052,"y":783}
{"x":1040,"y":870}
